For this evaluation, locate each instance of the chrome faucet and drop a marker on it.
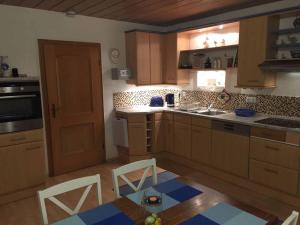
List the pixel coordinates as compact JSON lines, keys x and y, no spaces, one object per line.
{"x":209,"y":107}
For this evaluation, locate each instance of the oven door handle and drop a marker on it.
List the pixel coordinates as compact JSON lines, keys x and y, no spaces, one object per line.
{"x":17,"y":96}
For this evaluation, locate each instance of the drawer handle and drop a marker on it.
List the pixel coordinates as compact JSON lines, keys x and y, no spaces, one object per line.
{"x":33,"y":148}
{"x":267,"y":134}
{"x":272,"y":148}
{"x":18,"y":139}
{"x":271,"y":171}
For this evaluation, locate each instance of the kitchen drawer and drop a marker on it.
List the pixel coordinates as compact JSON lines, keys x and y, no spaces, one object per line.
{"x":137,"y":118}
{"x":275,"y":152}
{"x":293,"y":138}
{"x":276,"y":177}
{"x":21,"y":137}
{"x":276,"y":135}
{"x":181,"y":118}
{"x":201,"y":122}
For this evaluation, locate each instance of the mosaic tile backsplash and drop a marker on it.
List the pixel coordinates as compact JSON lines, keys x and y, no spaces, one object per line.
{"x":269,"y":104}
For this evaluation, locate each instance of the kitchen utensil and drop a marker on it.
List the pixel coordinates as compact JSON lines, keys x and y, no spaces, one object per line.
{"x":156,"y":101}
{"x":170,"y":100}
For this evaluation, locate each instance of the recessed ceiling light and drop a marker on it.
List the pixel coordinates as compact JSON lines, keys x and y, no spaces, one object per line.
{"x":221,"y":27}
{"x":71,"y":13}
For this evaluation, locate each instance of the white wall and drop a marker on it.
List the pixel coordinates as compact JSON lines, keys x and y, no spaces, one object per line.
{"x":21,"y":27}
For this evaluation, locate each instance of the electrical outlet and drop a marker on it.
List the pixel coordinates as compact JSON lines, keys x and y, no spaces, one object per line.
{"x":251,"y":100}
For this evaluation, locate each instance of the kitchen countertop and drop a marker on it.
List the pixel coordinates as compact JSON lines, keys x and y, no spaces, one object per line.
{"x":229,"y":117}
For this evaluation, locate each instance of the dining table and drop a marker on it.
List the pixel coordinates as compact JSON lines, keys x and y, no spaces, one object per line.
{"x":204,"y":204}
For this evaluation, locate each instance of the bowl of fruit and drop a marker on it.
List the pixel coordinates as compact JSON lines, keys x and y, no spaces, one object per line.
{"x":153,"y":219}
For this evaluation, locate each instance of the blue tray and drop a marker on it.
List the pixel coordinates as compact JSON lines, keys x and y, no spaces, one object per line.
{"x":245,"y":112}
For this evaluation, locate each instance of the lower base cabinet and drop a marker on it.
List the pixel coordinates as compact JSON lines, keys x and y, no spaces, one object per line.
{"x":276,"y":177}
{"x":230,"y":152}
{"x":22,"y":166}
{"x":182,"y":140}
{"x":201,"y":145}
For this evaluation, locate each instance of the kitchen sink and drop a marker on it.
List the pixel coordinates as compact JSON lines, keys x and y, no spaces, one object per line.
{"x":212,"y":112}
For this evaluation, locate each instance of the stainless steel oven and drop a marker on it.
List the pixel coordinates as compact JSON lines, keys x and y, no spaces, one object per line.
{"x":20,"y":106}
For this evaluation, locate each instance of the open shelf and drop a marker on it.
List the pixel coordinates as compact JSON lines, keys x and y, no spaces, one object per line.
{"x":210,"y":49}
{"x":287,"y":46}
{"x":281,"y":65}
{"x":288,"y":31}
{"x":206,"y":69}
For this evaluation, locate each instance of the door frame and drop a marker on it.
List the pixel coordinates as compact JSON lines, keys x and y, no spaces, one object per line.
{"x":46,"y":114}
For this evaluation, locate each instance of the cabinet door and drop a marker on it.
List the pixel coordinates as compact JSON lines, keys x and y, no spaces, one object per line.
{"x":254,"y":42}
{"x":230,"y":152}
{"x":138,"y":56}
{"x":137,"y":135}
{"x":182,"y":140}
{"x":22,"y":166}
{"x":170,"y":58}
{"x":159,"y":137}
{"x":143,"y":58}
{"x":155,"y":58}
{"x":169,"y":135}
{"x":34,"y":172}
{"x":201,"y":145}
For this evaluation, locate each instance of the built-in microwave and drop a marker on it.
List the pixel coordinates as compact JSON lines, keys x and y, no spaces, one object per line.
{"x":20,"y":106}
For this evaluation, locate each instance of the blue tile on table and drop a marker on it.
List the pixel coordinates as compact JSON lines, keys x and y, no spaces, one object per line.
{"x":199,"y":220}
{"x":98,"y":214}
{"x":184,"y":193}
{"x":221,"y":213}
{"x":169,"y":186}
{"x":118,"y":219}
{"x":246,"y":219}
{"x":73,"y":220}
{"x":161,"y":177}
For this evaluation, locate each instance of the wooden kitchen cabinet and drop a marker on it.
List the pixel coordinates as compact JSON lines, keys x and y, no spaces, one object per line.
{"x":255,"y":46}
{"x":137,"y":138}
{"x":182,"y":135}
{"x":159,"y":133}
{"x":201,"y":144}
{"x":22,"y":166}
{"x":143,"y":57}
{"x":173,"y":43}
{"x":230,"y":152}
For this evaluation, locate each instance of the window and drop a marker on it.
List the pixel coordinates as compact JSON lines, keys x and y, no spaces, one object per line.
{"x":212,"y":80}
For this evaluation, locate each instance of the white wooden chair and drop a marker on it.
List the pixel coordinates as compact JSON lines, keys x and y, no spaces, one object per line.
{"x":71,"y":185}
{"x":292,"y":219}
{"x":121,"y":171}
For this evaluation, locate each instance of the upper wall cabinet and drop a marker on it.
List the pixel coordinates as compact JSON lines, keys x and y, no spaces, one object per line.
{"x":255,"y":46}
{"x":143,"y":57}
{"x":173,"y":43}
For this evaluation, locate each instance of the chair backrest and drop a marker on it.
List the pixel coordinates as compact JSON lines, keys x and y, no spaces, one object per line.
{"x":71,"y":185}
{"x":121,"y":171}
{"x":292,"y":219}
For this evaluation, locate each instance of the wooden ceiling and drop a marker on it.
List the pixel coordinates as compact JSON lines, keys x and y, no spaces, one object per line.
{"x":155,"y":12}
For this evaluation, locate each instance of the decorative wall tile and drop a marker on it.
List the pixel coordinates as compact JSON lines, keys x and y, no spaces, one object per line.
{"x":269,"y":104}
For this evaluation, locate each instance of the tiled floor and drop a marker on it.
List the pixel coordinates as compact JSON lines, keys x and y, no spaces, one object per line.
{"x":26,"y":212}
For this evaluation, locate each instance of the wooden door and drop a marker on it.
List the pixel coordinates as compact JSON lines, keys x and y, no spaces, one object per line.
{"x":170,"y":58}
{"x":155,"y":58}
{"x":230,"y":152}
{"x":201,"y":144}
{"x":73,"y":104}
{"x":159,"y":137}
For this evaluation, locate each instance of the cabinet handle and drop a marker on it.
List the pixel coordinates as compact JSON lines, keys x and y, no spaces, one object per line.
{"x":271,"y":171}
{"x":272,"y":148}
{"x":18,"y":139}
{"x":53,"y":110}
{"x":33,"y":148}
